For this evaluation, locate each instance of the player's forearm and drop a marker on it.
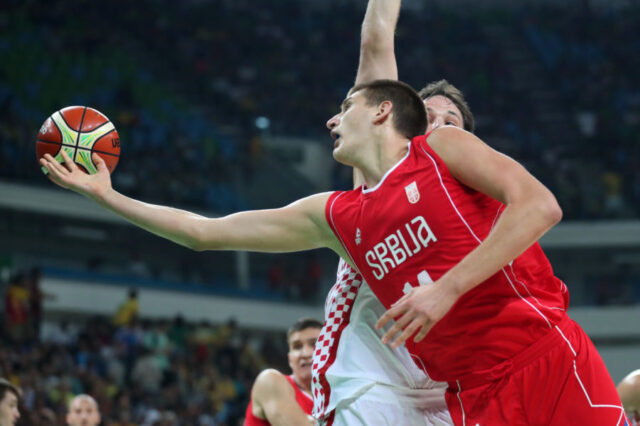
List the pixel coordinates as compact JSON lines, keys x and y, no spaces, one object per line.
{"x":519,"y":227}
{"x":179,"y":226}
{"x":379,"y":23}
{"x":377,"y":57}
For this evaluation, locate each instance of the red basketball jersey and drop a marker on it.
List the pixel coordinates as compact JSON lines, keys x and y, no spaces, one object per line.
{"x":304,"y":401}
{"x":416,"y":224}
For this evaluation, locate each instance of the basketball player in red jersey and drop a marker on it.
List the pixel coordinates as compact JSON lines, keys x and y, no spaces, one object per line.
{"x":444,"y":230}
{"x":356,"y":378}
{"x":281,"y":400}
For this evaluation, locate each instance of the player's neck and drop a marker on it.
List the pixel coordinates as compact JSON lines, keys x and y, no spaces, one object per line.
{"x":303,"y":385}
{"x":384,"y":155}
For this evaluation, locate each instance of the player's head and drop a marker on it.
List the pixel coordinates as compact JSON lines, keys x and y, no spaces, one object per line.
{"x":446,"y":105}
{"x":370,"y":107}
{"x":9,"y":398}
{"x":301,"y":337}
{"x":629,"y":391}
{"x":83,"y":411}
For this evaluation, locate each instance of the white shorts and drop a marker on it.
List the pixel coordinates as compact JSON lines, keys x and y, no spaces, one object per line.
{"x":387,"y":406}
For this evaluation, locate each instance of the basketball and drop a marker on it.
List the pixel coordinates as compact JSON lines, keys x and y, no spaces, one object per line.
{"x":79,"y":131}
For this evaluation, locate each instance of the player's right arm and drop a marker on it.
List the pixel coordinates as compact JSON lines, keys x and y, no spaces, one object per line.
{"x":298,"y":226}
{"x":377,"y":56}
{"x":274,"y":399}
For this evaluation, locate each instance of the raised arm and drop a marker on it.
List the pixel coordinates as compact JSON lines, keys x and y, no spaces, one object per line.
{"x":377,"y":57}
{"x":531,"y":210}
{"x":298,"y":226}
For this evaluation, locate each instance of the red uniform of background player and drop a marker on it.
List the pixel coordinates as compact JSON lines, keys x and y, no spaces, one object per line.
{"x":304,"y":401}
{"x":277,"y":399}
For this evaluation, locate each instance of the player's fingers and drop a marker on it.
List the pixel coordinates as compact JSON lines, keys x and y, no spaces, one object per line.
{"x":423,"y":332}
{"x":402,"y":299}
{"x":54,"y":167}
{"x":388,"y":316}
{"x":99,"y":162}
{"x":53,"y":173}
{"x":408,"y":332}
{"x":71,"y":165}
{"x":397,"y":327}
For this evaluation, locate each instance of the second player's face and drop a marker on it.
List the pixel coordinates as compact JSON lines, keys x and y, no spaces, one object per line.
{"x":441,"y":111}
{"x":83,"y":412}
{"x":9,"y":413}
{"x":301,"y":346}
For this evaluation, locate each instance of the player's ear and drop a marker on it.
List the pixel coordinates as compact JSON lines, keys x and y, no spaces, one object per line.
{"x":383,"y":112}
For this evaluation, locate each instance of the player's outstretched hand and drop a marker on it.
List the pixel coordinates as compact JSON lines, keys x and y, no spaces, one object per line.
{"x":68,"y":175}
{"x":417,"y":311}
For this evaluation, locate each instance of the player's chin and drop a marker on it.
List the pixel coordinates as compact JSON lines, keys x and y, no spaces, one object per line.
{"x":341,"y":156}
{"x":304,"y":370}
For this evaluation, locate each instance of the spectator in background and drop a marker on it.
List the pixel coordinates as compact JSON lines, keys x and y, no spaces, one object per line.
{"x":146,"y":372}
{"x":17,"y":309}
{"x":83,"y":411}
{"x":9,"y":398}
{"x":128,"y":310}
{"x":629,"y":391}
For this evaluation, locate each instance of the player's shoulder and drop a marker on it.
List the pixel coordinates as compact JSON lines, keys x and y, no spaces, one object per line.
{"x":447,"y":134}
{"x":447,"y":142}
{"x":270,"y":380}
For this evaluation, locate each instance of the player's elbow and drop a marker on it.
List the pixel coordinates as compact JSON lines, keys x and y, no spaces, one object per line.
{"x":550,"y":210}
{"x":198,"y":239}
{"x":200,"y":243}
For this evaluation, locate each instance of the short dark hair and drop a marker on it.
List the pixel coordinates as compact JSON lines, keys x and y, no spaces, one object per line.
{"x":448,"y":90}
{"x":7,"y":386}
{"x":303,"y":324}
{"x":409,"y":114}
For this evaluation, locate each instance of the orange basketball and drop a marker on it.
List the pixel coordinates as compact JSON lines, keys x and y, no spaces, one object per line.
{"x":79,"y":131}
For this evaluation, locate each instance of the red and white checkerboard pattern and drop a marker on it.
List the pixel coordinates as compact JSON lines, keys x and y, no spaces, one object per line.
{"x":337,"y":312}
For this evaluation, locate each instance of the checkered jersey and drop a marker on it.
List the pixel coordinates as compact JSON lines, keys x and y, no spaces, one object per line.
{"x":337,"y":313}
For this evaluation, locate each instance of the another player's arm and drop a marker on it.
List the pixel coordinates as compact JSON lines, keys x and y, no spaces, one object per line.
{"x":530,"y":211}
{"x":298,"y":226}
{"x":377,"y":56}
{"x":274,"y":399}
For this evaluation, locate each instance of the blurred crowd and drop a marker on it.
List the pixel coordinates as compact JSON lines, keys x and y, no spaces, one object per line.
{"x":141,"y":372}
{"x":188,"y":80}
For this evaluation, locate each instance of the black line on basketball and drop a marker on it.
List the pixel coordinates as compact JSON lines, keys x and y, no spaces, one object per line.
{"x":75,"y":153}
{"x":105,"y":123}
{"x":56,"y":143}
{"x":65,"y":122}
{"x":58,"y":127}
{"x":91,"y":151}
{"x":96,"y":141}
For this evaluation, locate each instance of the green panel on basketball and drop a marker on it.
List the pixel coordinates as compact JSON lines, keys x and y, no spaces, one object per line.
{"x":80,"y":131}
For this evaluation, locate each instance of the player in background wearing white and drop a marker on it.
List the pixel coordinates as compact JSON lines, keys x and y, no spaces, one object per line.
{"x":357,"y":379}
{"x":9,"y":398}
{"x":280,"y":400}
{"x":83,"y":411}
{"x":629,"y":391}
